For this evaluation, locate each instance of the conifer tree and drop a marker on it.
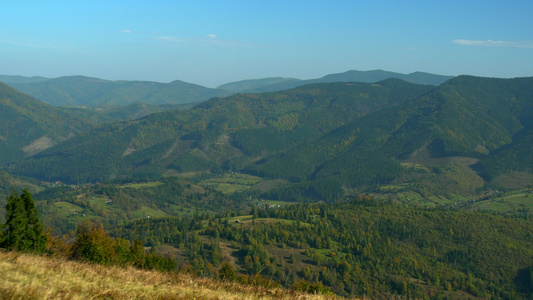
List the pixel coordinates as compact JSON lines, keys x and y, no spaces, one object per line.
{"x":15,"y":222}
{"x":34,"y":239}
{"x":23,"y":229}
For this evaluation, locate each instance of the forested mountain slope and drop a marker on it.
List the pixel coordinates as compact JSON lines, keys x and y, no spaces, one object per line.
{"x":219,"y":133}
{"x":323,"y":138}
{"x":28,"y":126}
{"x":360,"y":247}
{"x":467,"y":116}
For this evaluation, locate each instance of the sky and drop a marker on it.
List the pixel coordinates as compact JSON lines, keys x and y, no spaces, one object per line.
{"x":215,"y":42}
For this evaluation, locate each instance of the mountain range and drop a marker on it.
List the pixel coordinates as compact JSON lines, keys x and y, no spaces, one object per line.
{"x":279,"y":83}
{"x":321,"y":138}
{"x":87,"y":91}
{"x":399,"y":176}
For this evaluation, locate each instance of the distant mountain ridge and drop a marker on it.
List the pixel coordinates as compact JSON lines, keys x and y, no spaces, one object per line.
{"x":252,"y":85}
{"x":88,"y":91}
{"x":9,"y":79}
{"x":278,"y":83}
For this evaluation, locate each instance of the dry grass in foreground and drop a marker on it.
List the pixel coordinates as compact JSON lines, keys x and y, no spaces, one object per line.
{"x":36,"y":277}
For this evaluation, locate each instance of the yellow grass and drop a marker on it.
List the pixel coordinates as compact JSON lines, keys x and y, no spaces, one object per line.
{"x":35,"y":277}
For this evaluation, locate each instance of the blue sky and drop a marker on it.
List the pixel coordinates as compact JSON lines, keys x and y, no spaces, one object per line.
{"x":215,"y":42}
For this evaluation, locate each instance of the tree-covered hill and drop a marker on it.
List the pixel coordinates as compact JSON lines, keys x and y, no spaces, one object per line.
{"x":324,"y":138}
{"x":220,"y":133}
{"x":28,"y":126}
{"x":359,"y":247}
{"x":81,"y":90}
{"x":466,"y":116}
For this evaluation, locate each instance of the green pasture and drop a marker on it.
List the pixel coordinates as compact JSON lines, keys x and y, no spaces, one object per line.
{"x":98,"y":201}
{"x":65,"y":209}
{"x":514,"y":202}
{"x":232,"y":182}
{"x":145,"y":212}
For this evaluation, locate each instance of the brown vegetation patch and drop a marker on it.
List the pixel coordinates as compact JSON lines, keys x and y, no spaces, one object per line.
{"x":36,"y":277}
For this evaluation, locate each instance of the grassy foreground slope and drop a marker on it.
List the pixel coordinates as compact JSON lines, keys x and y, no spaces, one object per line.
{"x":37,"y":277}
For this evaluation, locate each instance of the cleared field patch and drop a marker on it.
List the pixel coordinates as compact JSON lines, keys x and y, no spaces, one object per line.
{"x":65,"y":209}
{"x":229,"y":188}
{"x":393,"y":188}
{"x":148,"y":212}
{"x":415,"y":167}
{"x":99,"y":202}
{"x":142,"y":185}
{"x":232,"y":182}
{"x":275,"y":202}
{"x":248,"y":220}
{"x":182,"y":210}
{"x":515,"y":202}
{"x":266,"y":185}
{"x":241,"y":218}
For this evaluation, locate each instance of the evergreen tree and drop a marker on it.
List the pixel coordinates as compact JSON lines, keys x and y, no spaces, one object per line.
{"x":23,"y":229}
{"x":15,"y":222}
{"x":34,"y":239}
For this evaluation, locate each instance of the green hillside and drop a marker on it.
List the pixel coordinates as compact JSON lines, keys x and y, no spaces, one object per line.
{"x":220,"y":133}
{"x":28,"y":126}
{"x":464,"y":117}
{"x":419,"y":191}
{"x":80,"y":90}
{"x":325,"y":140}
{"x":359,"y":247}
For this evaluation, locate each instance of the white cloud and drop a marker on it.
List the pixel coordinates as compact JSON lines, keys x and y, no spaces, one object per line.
{"x":491,"y":43}
{"x":212,"y":36}
{"x":126,"y":31}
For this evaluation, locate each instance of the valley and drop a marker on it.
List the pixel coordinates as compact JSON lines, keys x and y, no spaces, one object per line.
{"x":382,"y":188}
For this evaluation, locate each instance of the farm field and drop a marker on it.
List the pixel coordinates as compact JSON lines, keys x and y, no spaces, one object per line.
{"x":519,"y":201}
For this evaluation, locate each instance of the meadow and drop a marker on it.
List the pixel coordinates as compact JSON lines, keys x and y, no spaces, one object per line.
{"x":37,"y":277}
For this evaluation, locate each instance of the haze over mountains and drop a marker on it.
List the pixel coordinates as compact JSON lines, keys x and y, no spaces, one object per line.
{"x":279,"y":83}
{"x":87,"y":91}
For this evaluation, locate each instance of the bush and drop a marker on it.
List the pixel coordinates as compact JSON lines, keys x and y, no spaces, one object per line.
{"x":94,"y":245}
{"x":313,"y":288}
